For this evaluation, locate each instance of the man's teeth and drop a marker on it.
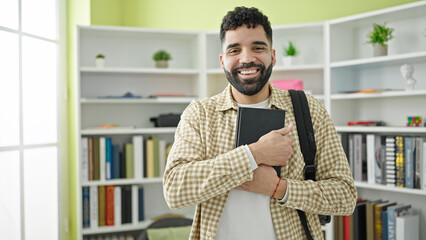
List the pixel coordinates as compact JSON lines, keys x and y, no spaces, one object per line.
{"x":248,"y":72}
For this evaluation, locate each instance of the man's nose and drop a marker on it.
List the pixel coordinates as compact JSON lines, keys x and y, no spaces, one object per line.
{"x":247,"y":57}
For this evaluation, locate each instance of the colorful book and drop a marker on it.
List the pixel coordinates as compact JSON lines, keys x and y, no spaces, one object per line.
{"x":393,"y":212}
{"x":162,"y":156}
{"x":141,"y":206}
{"x":138,"y":156}
{"x":109,"y":205}
{"x":400,"y":161}
{"x":156,"y":156}
{"x":150,"y":158}
{"x":108,"y":158}
{"x":407,"y":227}
{"x":91,"y":159}
{"x":101,"y":205}
{"x":96,"y":159}
{"x":378,"y":223}
{"x":129,"y":160}
{"x":86,"y":207}
{"x":126,"y":204}
{"x":135,"y":204}
{"x":117,"y":205}
{"x":84,"y":159}
{"x":115,"y":166}
{"x":390,"y":175}
{"x":102,"y":158}
{"x":409,"y":161}
{"x":94,"y":207}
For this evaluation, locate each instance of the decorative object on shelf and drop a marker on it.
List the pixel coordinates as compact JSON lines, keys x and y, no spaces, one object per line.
{"x":161,"y":58}
{"x":407,"y":73}
{"x":100,"y":61}
{"x":286,"y":84}
{"x":290,"y":53}
{"x":414,"y":121}
{"x":379,"y":38}
{"x":166,"y":120}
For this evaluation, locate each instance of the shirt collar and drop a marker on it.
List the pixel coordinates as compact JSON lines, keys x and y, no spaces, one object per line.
{"x":226,"y":101}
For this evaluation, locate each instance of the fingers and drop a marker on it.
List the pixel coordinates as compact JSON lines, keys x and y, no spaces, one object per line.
{"x":285,"y":130}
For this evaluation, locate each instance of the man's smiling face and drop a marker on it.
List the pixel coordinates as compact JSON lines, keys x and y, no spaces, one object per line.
{"x":247,"y":59}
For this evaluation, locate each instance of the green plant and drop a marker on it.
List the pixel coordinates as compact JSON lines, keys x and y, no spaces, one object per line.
{"x":290,"y":50}
{"x":161,"y":55}
{"x":100,"y":56}
{"x":380,"y":35}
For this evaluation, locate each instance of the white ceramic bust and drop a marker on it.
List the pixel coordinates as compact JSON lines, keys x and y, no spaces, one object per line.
{"x":407,"y":73}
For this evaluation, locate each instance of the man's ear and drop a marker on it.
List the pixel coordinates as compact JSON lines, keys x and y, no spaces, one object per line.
{"x":274,"y":59}
{"x":221,"y":61}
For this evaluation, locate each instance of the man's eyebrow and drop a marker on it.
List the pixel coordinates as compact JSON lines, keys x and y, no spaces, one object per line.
{"x":260,"y":43}
{"x":232,"y":45}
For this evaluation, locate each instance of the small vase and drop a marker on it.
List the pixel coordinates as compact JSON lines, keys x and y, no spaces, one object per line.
{"x":380,"y":50}
{"x":288,"y":60}
{"x":100,"y":62}
{"x":161,"y":64}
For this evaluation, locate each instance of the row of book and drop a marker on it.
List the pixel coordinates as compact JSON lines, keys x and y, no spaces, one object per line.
{"x":110,"y":237}
{"x":378,"y":220}
{"x":143,"y":157}
{"x":112,"y":205}
{"x":389,"y":160}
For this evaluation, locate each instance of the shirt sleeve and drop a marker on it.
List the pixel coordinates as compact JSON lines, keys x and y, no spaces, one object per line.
{"x":334,"y":191}
{"x":190,"y":177}
{"x":251,"y":158}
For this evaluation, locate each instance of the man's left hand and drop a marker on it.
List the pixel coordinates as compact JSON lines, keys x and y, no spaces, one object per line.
{"x":264,"y":181}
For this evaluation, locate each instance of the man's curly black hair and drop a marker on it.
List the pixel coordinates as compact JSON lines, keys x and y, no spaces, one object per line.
{"x":248,"y":16}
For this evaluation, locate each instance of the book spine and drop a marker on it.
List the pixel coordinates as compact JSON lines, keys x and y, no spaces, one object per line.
{"x":138,"y":156}
{"x":109,"y":205}
{"x":409,"y":162}
{"x":371,"y":158}
{"x":150,"y":158}
{"x":162,"y":155}
{"x":156,"y":157}
{"x":129,"y":160}
{"x":96,"y":160}
{"x":423,"y":167}
{"x":358,"y":157}
{"x":377,"y":223}
{"x":84,"y":159}
{"x":108,"y":158}
{"x":117,"y":205}
{"x":94,"y":207}
{"x":141,"y":207}
{"x":102,"y":158}
{"x":91,"y":159}
{"x":101,"y":209}
{"x":115,"y":169}
{"x":390,"y":161}
{"x":86,"y":207}
{"x":135,"y":207}
{"x":400,"y":162}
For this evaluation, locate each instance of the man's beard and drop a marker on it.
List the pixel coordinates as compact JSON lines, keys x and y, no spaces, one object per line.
{"x":250,"y":86}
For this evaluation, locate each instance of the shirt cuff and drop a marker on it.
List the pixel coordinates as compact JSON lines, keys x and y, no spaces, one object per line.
{"x":284,"y":200}
{"x":251,"y":158}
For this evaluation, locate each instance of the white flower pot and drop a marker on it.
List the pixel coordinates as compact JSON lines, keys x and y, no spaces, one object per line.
{"x":379,"y":50}
{"x":100,"y":62}
{"x":288,"y":60}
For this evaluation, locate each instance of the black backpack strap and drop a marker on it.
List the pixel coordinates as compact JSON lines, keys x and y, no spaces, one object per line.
{"x":306,"y":141}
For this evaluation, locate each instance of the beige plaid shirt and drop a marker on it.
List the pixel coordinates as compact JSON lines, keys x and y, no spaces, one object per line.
{"x":204,"y":165}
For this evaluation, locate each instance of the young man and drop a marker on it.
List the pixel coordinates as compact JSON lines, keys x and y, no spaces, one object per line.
{"x":232,"y":187}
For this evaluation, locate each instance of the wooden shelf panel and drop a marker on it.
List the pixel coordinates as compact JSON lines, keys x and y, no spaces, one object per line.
{"x":123,"y":131}
{"x":420,"y":192}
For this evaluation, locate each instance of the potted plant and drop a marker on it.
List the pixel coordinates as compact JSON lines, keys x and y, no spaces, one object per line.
{"x":290,"y":53}
{"x":379,"y":38}
{"x":161,"y":58}
{"x":100,"y":60}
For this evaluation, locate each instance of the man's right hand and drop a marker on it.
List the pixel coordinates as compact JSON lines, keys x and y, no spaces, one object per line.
{"x":273,"y":148}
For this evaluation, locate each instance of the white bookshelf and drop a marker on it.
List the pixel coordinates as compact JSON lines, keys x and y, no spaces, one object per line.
{"x":333,"y":58}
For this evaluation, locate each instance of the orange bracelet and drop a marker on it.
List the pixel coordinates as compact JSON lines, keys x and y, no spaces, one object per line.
{"x":276,"y":188}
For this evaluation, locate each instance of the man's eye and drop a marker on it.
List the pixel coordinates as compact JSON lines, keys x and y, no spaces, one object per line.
{"x":233,"y":51}
{"x":259,"y":48}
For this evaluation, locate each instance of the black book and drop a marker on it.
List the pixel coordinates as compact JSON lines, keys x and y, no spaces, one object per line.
{"x":253,"y":123}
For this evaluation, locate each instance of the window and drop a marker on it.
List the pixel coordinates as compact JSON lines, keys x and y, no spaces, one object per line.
{"x":29,"y":119}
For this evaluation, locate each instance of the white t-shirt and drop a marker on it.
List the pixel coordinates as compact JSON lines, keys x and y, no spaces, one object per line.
{"x":247,"y":215}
